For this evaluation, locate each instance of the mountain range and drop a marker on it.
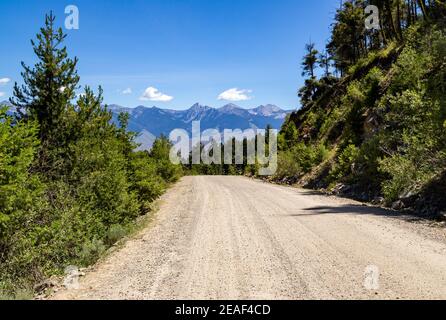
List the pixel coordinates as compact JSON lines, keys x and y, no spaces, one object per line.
{"x":152,"y":122}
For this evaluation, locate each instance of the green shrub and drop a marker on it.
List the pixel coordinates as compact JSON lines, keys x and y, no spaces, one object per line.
{"x":116,"y":233}
{"x":288,"y":135}
{"x":403,"y":175}
{"x":91,"y":251}
{"x":18,"y":189}
{"x":145,"y":180}
{"x":345,"y":160}
{"x":300,"y":159}
{"x":287,"y":166}
{"x":160,"y":153}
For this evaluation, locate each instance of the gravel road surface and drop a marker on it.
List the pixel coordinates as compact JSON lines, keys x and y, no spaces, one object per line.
{"x":237,"y":238}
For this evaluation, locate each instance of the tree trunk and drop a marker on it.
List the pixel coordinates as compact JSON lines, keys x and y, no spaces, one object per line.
{"x":398,"y":10}
{"x":422,"y":5}
{"x":391,"y":20}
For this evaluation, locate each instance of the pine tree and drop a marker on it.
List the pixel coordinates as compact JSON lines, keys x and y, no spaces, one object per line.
{"x":347,"y":42}
{"x":325,"y":63}
{"x":48,"y":90}
{"x":309,"y":62}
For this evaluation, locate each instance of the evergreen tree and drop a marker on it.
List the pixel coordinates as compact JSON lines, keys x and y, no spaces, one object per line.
{"x":347,"y":43}
{"x":309,"y":62}
{"x":325,"y":63}
{"x":48,"y":90}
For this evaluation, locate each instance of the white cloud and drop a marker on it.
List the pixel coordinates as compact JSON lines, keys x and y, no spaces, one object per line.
{"x":4,"y":81}
{"x":153,"y":94}
{"x":127,"y":91}
{"x":235,"y":94}
{"x":2,"y":94}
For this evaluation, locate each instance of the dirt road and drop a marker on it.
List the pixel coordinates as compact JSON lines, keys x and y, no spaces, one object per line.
{"x":235,"y":238}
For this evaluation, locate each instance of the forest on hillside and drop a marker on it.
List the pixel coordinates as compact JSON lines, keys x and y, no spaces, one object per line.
{"x":373,"y":125}
{"x":71,"y":184}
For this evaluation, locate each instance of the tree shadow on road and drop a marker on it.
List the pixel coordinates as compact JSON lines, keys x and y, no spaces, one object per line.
{"x":363,"y":209}
{"x":358,"y":210}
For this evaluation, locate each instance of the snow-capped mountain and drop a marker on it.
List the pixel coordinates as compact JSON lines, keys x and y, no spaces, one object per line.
{"x":153,"y":122}
{"x":269,"y":110}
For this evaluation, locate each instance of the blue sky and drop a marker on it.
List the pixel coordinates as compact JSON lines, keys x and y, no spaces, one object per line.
{"x":173,"y":53}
